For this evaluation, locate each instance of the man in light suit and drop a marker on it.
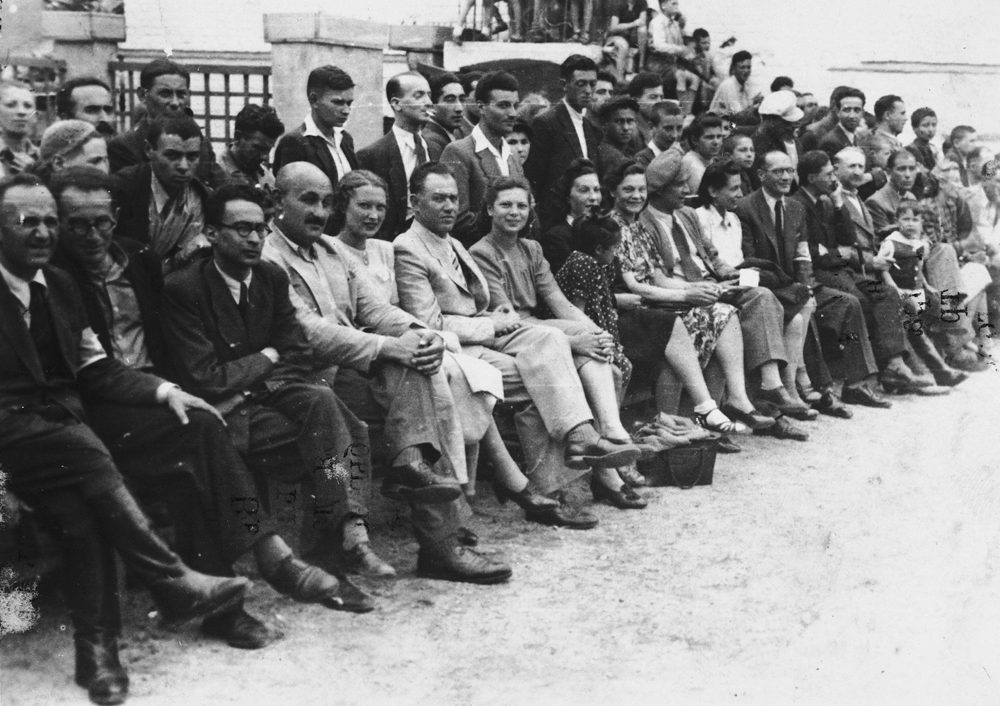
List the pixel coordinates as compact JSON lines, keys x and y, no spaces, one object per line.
{"x":384,"y":364}
{"x":484,"y":155}
{"x":448,"y":98}
{"x":774,"y":229}
{"x":562,"y":134}
{"x":395,"y":155}
{"x":321,"y":138}
{"x":441,"y":285}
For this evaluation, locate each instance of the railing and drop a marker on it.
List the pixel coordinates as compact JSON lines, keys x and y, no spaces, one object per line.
{"x":218,"y":92}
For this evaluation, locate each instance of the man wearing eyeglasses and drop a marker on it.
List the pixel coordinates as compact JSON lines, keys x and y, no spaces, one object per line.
{"x":195,"y":468}
{"x":562,"y":133}
{"x":162,"y":202}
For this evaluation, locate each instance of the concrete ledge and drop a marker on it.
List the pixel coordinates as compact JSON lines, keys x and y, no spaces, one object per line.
{"x":418,"y":37}
{"x":456,"y":56}
{"x":324,"y":29}
{"x":83,"y":26}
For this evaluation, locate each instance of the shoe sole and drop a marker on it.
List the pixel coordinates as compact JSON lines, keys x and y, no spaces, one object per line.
{"x":549,"y":522}
{"x":220,"y":604}
{"x":431,"y":494}
{"x":499,"y":577}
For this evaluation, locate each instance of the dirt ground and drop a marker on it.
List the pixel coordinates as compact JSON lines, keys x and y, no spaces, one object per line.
{"x":858,"y":568}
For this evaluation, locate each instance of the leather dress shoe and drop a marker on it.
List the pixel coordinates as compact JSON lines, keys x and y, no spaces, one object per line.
{"x":585,"y":449}
{"x":562,"y":516}
{"x":830,"y":405}
{"x":756,"y":419}
{"x":809,"y":395}
{"x":901,"y":382}
{"x":949,"y":377}
{"x":466,"y":537}
{"x":968,"y":361}
{"x":780,"y":398}
{"x":418,"y":482}
{"x":458,"y":563}
{"x":238,"y":628}
{"x":361,"y":559}
{"x":196,"y":595}
{"x":630,"y":474}
{"x":306,"y":583}
{"x":99,"y":671}
{"x":784,"y":429}
{"x":865,"y":396}
{"x":625,"y":498}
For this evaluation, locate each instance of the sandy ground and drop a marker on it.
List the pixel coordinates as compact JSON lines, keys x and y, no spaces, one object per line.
{"x":858,"y":568}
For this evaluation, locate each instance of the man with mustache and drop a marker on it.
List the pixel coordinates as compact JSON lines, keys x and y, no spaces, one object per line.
{"x":402,"y":149}
{"x":89,"y":99}
{"x":484,"y":155}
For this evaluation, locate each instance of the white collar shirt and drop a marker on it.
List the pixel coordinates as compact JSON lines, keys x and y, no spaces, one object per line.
{"x":654,"y":149}
{"x":725,"y":232}
{"x":484,"y":145}
{"x":336,"y":151}
{"x":407,"y":148}
{"x":233,"y":284}
{"x":577,"y":120}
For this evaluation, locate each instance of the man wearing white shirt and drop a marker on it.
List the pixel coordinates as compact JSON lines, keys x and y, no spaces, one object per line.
{"x":737,"y":93}
{"x":666,"y":125}
{"x":484,"y":155}
{"x":321,"y":139}
{"x":398,"y":153}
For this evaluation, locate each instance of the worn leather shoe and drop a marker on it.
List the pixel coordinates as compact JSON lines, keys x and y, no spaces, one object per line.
{"x":361,"y":559}
{"x":306,"y":583}
{"x":586,"y":449}
{"x":461,"y":564}
{"x":949,"y":377}
{"x":630,"y":474}
{"x":784,"y":429}
{"x":99,"y":671}
{"x":830,"y":405}
{"x":196,"y":595}
{"x":899,"y":382}
{"x":349,"y":598}
{"x":238,"y":628}
{"x":728,"y":446}
{"x":418,"y":482}
{"x":779,"y":398}
{"x":562,"y":516}
{"x":625,"y":498}
{"x":865,"y":396}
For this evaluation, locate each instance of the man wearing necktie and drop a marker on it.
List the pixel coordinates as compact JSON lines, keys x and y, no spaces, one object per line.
{"x":484,"y":155}
{"x":403,"y":148}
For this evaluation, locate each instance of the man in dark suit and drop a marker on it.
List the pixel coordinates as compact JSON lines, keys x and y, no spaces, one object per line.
{"x":562,"y":134}
{"x":193,"y":467}
{"x":484,"y":155}
{"x":164,"y":89}
{"x":231,"y":329}
{"x":402,"y":149}
{"x":321,"y":139}
{"x":162,"y":202}
{"x":850,"y":113}
{"x":829,"y":227}
{"x":779,"y":116}
{"x":774,"y":229}
{"x":448,"y":98}
{"x":54,"y":462}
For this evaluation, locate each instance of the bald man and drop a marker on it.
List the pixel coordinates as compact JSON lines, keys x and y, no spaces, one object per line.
{"x":385,"y":365}
{"x":403,"y":148}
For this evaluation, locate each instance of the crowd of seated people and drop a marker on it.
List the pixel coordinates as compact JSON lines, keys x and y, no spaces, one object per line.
{"x":214,"y":334}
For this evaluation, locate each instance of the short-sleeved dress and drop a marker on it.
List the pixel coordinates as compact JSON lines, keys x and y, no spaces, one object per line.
{"x":640,"y":257}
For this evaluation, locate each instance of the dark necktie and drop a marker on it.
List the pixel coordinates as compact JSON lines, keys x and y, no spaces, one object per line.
{"x":40,"y":328}
{"x":689,"y":267}
{"x":779,"y":232}
{"x":418,"y":145}
{"x":244,"y":305}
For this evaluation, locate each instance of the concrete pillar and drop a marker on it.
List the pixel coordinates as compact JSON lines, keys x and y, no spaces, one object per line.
{"x":86,"y":41}
{"x":302,"y":41}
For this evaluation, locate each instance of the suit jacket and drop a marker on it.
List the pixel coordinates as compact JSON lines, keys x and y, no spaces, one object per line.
{"x":347,"y":335}
{"x":384,"y":158}
{"x":761,"y":242}
{"x":295,"y":146}
{"x":834,"y":141}
{"x":21,"y":378}
{"x":465,"y":127}
{"x":474,"y":171}
{"x":217,"y":357}
{"x":129,"y":150}
{"x":554,"y":146}
{"x":882,"y":205}
{"x":866,"y":241}
{"x":687,"y":217}
{"x":133,"y":191}
{"x":430,"y":289}
{"x":829,"y":227}
{"x":145,"y":273}
{"x":437,"y":135}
